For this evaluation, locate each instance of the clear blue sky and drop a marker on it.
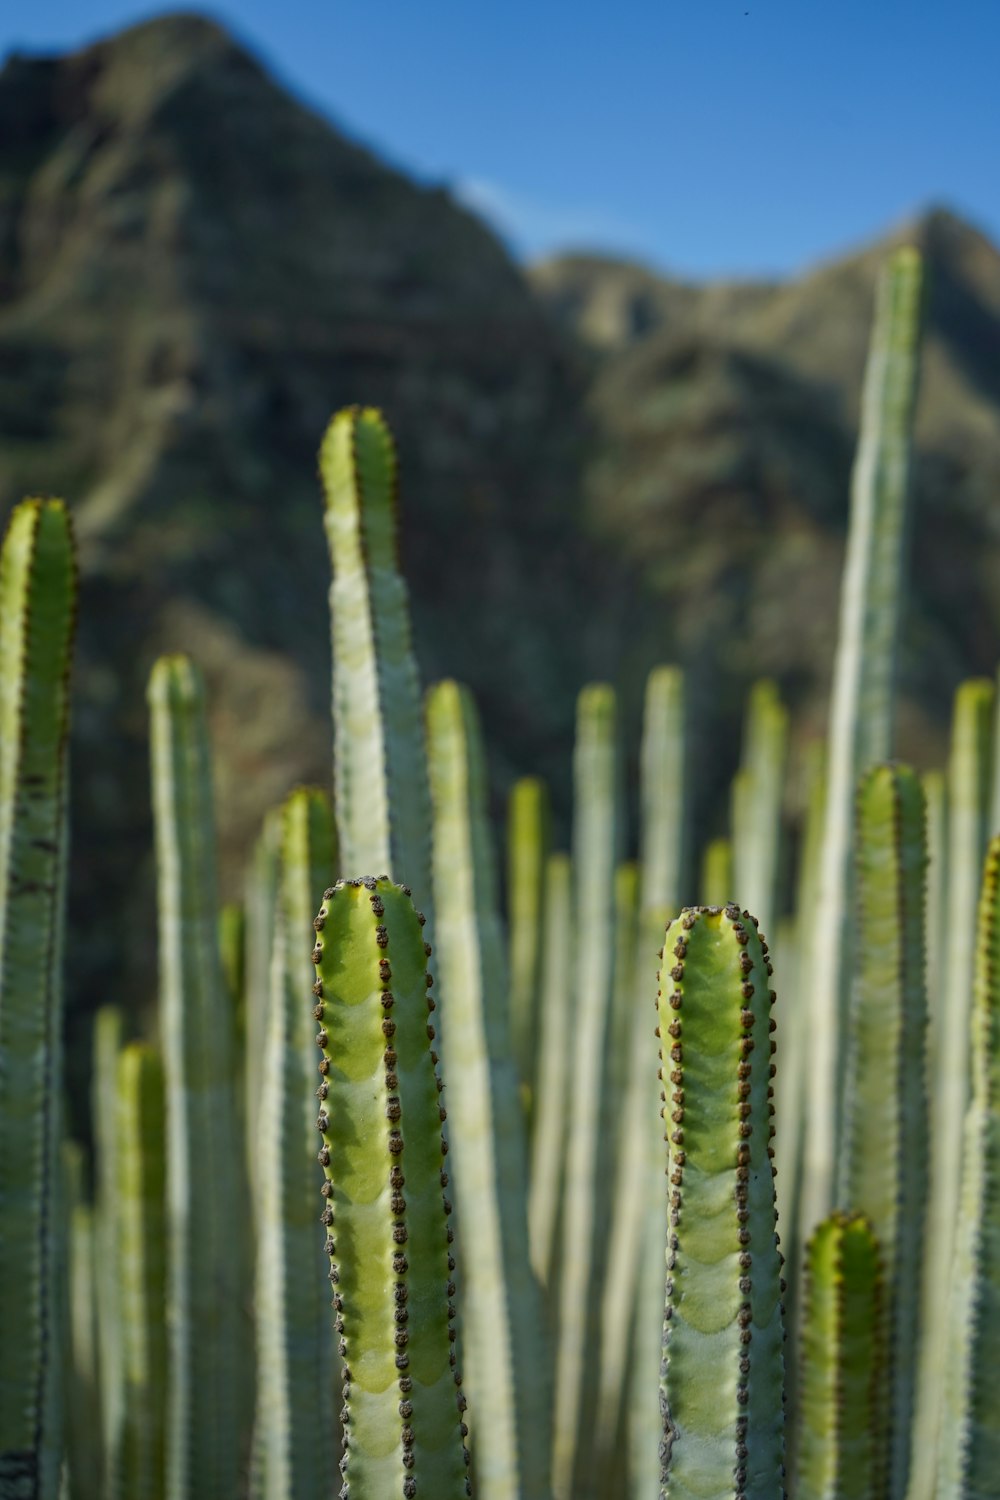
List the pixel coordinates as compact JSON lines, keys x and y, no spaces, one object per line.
{"x":704,"y":136}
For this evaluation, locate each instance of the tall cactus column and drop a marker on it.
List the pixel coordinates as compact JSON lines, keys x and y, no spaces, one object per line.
{"x":205,"y":1180}
{"x":386,"y":1213}
{"x":722,"y":1386}
{"x":37,"y":608}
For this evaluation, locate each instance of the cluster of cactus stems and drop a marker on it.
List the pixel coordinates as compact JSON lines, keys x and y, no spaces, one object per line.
{"x":561,"y":1276}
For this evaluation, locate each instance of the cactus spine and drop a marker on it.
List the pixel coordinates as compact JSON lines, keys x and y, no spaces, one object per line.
{"x":501,"y":1306}
{"x":722,"y":1384}
{"x":863,"y":679}
{"x":970,"y":1429}
{"x":37,"y":610}
{"x":390,"y":1261}
{"x":204,"y":1156}
{"x":294,"y":1453}
{"x":884,"y":1164}
{"x":138,"y":1472}
{"x":380,"y":769}
{"x":843,"y":1342}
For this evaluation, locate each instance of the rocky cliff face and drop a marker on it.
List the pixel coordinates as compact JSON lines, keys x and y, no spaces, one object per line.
{"x":600,"y":469}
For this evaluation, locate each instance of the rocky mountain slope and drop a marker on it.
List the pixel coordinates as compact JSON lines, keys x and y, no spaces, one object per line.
{"x":601,"y":468}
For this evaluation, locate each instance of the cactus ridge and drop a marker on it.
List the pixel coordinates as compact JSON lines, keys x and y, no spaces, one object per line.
{"x":841,"y":1452}
{"x":722,"y":1373}
{"x":391,"y":1261}
{"x":38,"y":593}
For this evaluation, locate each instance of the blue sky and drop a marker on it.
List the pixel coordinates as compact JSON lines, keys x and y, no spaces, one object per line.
{"x":703,"y":136}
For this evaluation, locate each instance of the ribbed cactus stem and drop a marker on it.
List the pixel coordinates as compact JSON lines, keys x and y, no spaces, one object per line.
{"x":205,"y":1180}
{"x":37,"y":609}
{"x":862,"y":700}
{"x":840,"y":1439}
{"x":504,"y":1338}
{"x":884,"y":1164}
{"x":385,"y":1194}
{"x":84,"y":1448}
{"x":294,"y":1453}
{"x":380,"y":769}
{"x":970,"y":1430}
{"x":722,"y":1384}
{"x":141,"y":1263}
{"x":548,"y":1141}
{"x":758,"y":792}
{"x":107,"y":1046}
{"x":968,"y":806}
{"x":527,"y":851}
{"x":260,"y":905}
{"x":587,"y":1194}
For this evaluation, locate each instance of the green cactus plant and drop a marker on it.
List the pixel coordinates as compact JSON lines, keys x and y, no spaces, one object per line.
{"x":502,"y":1318}
{"x":294,"y":1453}
{"x":758,"y":791}
{"x":862,"y":700}
{"x":548,"y":1141}
{"x":205,"y":1180}
{"x":841,"y":1429}
{"x":717,"y":872}
{"x":722,"y":1381}
{"x":969,"y":1462}
{"x":108,"y":1031}
{"x":527,"y":851}
{"x":37,"y":614}
{"x":260,"y":906}
{"x":138,"y":1466}
{"x":386,"y":1214}
{"x":883,"y":1170}
{"x":382,"y":796}
{"x":84,"y":1456}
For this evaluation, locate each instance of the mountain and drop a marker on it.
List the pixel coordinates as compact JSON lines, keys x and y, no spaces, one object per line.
{"x":602,"y":467}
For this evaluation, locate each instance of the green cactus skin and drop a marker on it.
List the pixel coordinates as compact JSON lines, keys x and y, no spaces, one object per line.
{"x":717,"y":872}
{"x":548,"y":1141}
{"x":969,"y":1463}
{"x":382,"y":796}
{"x":843,"y":1342}
{"x":84,"y":1453}
{"x":37,"y":610}
{"x":758,"y":791}
{"x":968,"y":805}
{"x":527,"y":852}
{"x":662,"y":857}
{"x":260,"y":905}
{"x":205,"y":1181}
{"x":721,"y":1386}
{"x":501,"y":1305}
{"x":587,"y":1192}
{"x":138,"y":1470}
{"x":936,"y":901}
{"x":884,"y":1164}
{"x":232,"y":951}
{"x":862,"y":701}
{"x":391,"y":1265}
{"x":294,"y":1452}
{"x":108,"y":1029}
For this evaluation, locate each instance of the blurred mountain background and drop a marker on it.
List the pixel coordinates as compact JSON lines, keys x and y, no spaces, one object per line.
{"x":602,"y":468}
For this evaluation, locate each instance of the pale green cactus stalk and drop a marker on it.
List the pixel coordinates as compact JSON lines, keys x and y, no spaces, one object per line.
{"x":260,"y":905}
{"x":108,"y":1030}
{"x":205,"y":1180}
{"x":586,"y":1194}
{"x":843,"y":1342}
{"x":138,"y":1470}
{"x":232,"y":951}
{"x":662,"y":862}
{"x":37,"y":610}
{"x":501,"y":1306}
{"x":388,"y":1236}
{"x":758,"y":792}
{"x":969,"y":1463}
{"x":862,"y":701}
{"x":295,"y":1450}
{"x":548,"y":1141}
{"x":936,"y":900}
{"x":380,"y":770}
{"x":883,"y":1171}
{"x":722,"y":1381}
{"x":969,"y":773}
{"x":527,"y":851}
{"x":717,"y":872}
{"x":84,"y":1453}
